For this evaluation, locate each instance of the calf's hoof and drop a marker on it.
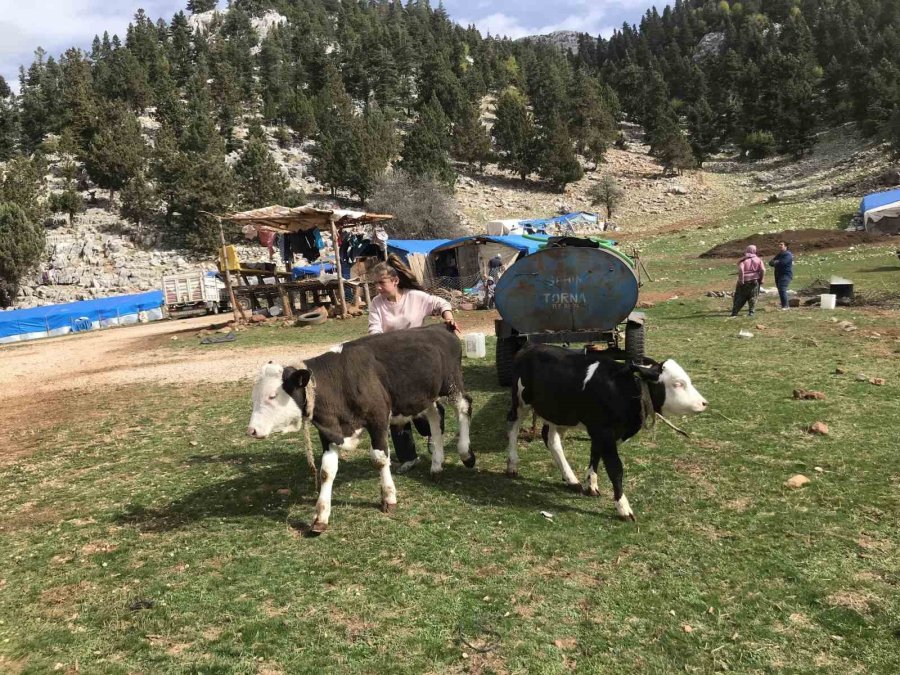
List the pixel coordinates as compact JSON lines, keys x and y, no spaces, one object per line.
{"x":577,"y":488}
{"x":317,"y":528}
{"x":388,"y":508}
{"x":591,"y":492}
{"x":630,"y":517}
{"x":436,"y":476}
{"x":470,"y":462}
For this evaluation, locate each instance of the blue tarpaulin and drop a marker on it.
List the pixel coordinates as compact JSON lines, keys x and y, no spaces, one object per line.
{"x":404,"y":247}
{"x":303,"y":271}
{"x":877,"y":199}
{"x":524,"y":243}
{"x":71,"y":317}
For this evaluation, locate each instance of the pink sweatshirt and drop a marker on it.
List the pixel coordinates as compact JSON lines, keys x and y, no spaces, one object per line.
{"x":750,"y":267}
{"x":408,"y":312}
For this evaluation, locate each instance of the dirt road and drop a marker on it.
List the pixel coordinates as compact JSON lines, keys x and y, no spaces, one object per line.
{"x":128,"y":355}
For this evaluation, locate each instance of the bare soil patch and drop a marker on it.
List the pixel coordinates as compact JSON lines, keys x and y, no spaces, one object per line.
{"x":801,"y":241}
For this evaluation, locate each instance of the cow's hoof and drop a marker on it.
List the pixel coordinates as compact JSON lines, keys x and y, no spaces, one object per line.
{"x":436,"y":476}
{"x":470,"y":462}
{"x":317,"y":528}
{"x":512,"y":473}
{"x":388,"y":508}
{"x":592,"y":492}
{"x":577,"y":488}
{"x":630,"y":517}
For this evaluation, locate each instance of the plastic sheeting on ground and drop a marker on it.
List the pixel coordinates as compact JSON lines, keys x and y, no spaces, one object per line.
{"x":72,"y":317}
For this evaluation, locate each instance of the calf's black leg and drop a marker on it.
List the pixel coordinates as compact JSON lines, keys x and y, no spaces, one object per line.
{"x":603,"y":446}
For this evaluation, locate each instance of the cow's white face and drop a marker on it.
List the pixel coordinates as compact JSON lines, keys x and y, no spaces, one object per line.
{"x":681,"y":396}
{"x":274,"y":410}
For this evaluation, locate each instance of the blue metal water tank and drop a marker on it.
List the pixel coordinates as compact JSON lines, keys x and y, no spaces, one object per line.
{"x":567,"y":289}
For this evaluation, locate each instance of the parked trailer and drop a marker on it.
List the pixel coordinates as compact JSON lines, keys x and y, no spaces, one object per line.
{"x":577,"y":293}
{"x":194,"y":294}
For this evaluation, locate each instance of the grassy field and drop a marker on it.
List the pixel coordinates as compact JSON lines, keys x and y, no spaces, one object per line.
{"x":145,"y":532}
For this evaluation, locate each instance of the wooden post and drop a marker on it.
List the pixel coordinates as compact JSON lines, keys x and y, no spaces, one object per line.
{"x":337,"y":267}
{"x":368,"y":297}
{"x":285,"y":298}
{"x":235,"y":307}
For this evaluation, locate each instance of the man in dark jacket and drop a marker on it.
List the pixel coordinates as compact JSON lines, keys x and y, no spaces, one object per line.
{"x":784,"y":271}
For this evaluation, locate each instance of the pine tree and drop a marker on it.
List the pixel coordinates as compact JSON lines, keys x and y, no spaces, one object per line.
{"x":592,"y":124}
{"x":260,"y":179}
{"x":702,"y":132}
{"x":69,"y":201}
{"x":426,"y":147}
{"x":8,"y":122}
{"x":378,"y":145}
{"x":298,"y":113}
{"x":607,"y":193}
{"x":139,"y":201}
{"x":117,"y":151}
{"x":200,"y":6}
{"x":22,"y":182}
{"x":515,"y":135}
{"x":21,"y":247}
{"x":78,"y":96}
{"x":674,"y":152}
{"x":559,"y":165}
{"x":471,"y":141}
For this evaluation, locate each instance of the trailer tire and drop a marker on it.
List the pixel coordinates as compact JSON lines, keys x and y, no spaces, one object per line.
{"x":634,"y":342}
{"x":506,"y":351}
{"x":311,"y":319}
{"x":214,"y":308}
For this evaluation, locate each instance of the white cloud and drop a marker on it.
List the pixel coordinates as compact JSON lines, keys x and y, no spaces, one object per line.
{"x":578,"y":15}
{"x":57,"y":25}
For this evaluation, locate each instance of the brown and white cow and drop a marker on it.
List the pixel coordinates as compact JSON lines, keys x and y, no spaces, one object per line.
{"x":366,"y":384}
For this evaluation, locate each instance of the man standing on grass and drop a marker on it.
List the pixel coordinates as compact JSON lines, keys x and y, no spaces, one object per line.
{"x":751,"y":272}
{"x":784,"y":271}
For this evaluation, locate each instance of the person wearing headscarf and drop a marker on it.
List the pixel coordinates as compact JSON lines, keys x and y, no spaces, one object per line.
{"x":750,"y":275}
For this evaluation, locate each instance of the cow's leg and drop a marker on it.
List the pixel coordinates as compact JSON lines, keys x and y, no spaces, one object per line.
{"x":382,"y":462}
{"x":514,"y":421}
{"x":323,"y":504}
{"x":437,"y":440}
{"x":463,"y":405}
{"x":553,"y":440}
{"x":603,"y":446}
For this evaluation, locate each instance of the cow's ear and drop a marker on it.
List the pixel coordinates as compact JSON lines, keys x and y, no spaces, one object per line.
{"x":651,"y":372}
{"x":293,"y":378}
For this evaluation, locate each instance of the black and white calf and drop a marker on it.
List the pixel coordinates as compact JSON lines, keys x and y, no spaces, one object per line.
{"x":611,"y":399}
{"x":366,"y":384}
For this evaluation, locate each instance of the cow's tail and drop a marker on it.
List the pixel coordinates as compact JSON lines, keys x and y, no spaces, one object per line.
{"x":310,"y":459}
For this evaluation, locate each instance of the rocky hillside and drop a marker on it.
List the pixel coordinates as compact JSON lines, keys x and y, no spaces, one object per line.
{"x":101,"y":255}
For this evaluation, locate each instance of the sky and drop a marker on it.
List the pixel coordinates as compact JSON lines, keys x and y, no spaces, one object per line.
{"x":57,"y":25}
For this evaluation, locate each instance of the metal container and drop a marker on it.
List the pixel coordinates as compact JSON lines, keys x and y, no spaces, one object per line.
{"x":567,"y":289}
{"x":842,"y":289}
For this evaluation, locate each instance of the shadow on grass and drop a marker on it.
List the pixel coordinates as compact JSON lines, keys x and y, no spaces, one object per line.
{"x":254,"y":493}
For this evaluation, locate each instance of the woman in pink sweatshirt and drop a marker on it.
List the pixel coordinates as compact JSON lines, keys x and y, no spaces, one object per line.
{"x":401,"y":303}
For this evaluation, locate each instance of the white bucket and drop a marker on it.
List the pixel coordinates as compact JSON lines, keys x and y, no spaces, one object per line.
{"x":827,"y":300}
{"x":475,"y":345}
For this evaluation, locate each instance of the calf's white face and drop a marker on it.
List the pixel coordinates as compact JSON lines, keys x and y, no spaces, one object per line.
{"x":681,"y":396}
{"x":273,"y":408}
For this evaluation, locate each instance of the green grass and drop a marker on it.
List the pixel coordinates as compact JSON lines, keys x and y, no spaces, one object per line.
{"x":155,"y":494}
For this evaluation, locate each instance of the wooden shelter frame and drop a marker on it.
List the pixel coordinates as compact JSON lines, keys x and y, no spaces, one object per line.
{"x":284,"y":219}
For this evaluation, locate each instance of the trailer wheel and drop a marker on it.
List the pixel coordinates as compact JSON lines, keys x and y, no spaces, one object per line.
{"x":214,"y":308}
{"x":634,"y":341}
{"x":507,"y":348}
{"x":311,"y":319}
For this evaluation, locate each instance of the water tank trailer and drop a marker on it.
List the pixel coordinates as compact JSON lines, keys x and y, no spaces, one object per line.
{"x":581,"y":293}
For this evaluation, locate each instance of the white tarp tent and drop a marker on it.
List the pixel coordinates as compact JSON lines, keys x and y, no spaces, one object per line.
{"x":497,"y":228}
